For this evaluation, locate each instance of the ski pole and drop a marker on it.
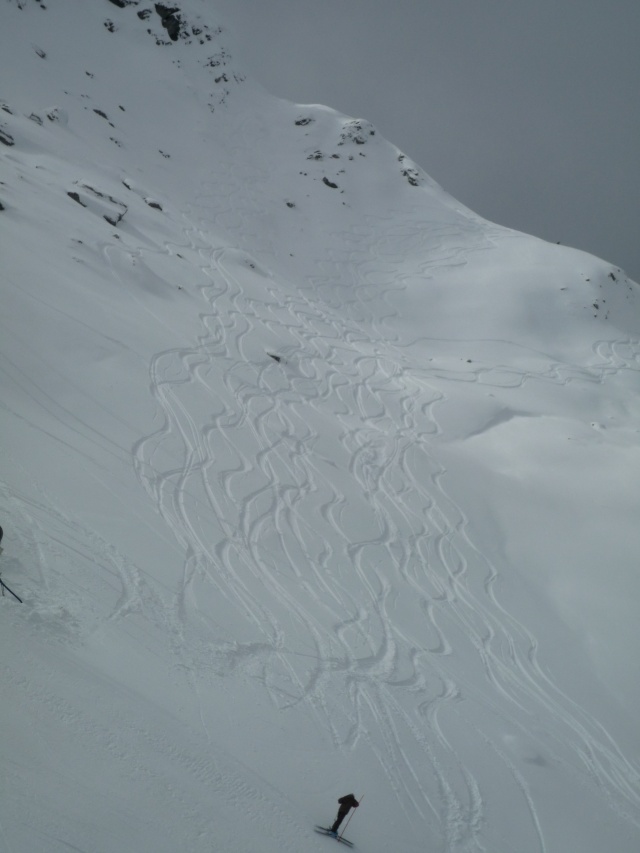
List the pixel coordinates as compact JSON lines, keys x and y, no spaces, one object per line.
{"x":350,"y":816}
{"x":4,"y":586}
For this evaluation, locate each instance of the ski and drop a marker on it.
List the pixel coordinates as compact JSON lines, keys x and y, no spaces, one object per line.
{"x":323,"y":830}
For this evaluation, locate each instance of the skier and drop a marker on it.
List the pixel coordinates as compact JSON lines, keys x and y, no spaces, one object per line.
{"x":347,"y":803}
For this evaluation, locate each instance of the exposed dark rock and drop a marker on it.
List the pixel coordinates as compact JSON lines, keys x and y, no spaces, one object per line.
{"x":144,"y":14}
{"x":6,"y":138}
{"x":104,"y":116}
{"x":329,"y":183}
{"x":22,"y":3}
{"x":110,"y":26}
{"x":102,"y":195}
{"x":36,"y":118}
{"x":77,"y":198}
{"x":153,"y":204}
{"x":301,"y":122}
{"x":170,"y":20}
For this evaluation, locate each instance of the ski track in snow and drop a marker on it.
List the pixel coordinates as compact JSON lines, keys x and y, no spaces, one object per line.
{"x":245,"y":485}
{"x":250,"y":496}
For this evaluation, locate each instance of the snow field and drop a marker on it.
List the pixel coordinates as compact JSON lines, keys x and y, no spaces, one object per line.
{"x":310,"y":489}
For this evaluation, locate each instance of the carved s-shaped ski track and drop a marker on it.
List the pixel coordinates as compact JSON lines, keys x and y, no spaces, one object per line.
{"x":316,"y":536}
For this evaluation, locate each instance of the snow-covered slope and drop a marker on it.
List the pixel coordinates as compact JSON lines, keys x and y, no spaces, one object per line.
{"x":313,"y":481}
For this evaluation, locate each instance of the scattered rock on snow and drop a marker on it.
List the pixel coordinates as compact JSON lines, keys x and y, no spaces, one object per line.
{"x":412,"y":175}
{"x":105,"y":205}
{"x":358,"y":131}
{"x":59,"y":116}
{"x":217,"y":59}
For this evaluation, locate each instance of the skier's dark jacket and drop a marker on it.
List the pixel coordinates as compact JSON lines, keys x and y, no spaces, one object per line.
{"x":346,"y":803}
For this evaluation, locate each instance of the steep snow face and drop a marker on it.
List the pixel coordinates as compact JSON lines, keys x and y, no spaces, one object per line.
{"x":314,"y":481}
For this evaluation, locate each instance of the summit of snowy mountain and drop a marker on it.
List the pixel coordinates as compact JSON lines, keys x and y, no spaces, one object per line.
{"x":313,"y":481}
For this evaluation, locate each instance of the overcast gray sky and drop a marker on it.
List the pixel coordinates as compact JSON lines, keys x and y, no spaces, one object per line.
{"x":527,"y":111}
